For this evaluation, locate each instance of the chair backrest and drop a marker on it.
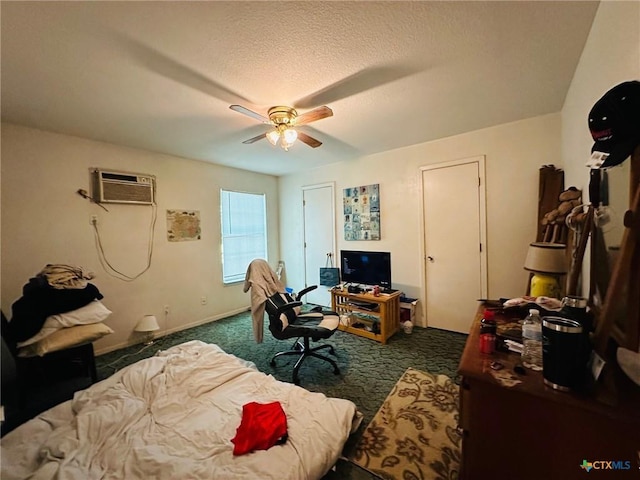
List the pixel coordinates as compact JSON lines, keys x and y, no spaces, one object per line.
{"x":277,"y":323}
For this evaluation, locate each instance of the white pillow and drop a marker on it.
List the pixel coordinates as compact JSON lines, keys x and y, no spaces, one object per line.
{"x":65,"y":338}
{"x":93,"y":312}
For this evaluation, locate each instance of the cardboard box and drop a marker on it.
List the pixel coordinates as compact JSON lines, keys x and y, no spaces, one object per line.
{"x":408,"y":309}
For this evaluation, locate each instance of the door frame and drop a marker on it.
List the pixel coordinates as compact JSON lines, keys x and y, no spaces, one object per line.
{"x":482,"y":199}
{"x":304,"y":188}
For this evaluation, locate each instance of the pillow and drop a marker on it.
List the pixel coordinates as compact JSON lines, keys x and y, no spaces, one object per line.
{"x":65,"y":338}
{"x":93,"y":312}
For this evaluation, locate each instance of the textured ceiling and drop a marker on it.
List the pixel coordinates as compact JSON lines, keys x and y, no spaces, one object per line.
{"x":161,"y":75}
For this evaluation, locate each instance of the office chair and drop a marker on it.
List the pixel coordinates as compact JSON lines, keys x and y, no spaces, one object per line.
{"x":286,"y":321}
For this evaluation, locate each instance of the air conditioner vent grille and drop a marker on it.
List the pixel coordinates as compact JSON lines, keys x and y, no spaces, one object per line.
{"x":123,"y":187}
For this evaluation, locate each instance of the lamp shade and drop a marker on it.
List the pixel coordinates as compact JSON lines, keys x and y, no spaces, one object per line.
{"x":546,"y":257}
{"x":148,"y":323}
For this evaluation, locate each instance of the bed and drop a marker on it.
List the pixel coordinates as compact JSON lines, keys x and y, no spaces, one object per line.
{"x":173,"y":416}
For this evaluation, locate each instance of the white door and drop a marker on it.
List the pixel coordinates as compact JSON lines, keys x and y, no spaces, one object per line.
{"x":455,"y":263}
{"x":319,"y":238}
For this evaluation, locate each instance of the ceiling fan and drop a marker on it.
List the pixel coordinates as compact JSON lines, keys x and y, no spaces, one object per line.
{"x":285,"y":119}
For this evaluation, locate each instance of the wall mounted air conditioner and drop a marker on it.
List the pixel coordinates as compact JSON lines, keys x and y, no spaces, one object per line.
{"x":123,"y":187}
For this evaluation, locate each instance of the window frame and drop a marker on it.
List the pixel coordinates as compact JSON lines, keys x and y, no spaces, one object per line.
{"x":225,"y":234}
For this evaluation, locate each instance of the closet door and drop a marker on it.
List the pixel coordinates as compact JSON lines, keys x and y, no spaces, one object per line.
{"x":319,"y":238}
{"x":455,"y":261}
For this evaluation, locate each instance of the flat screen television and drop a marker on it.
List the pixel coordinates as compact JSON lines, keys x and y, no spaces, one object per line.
{"x":369,"y":268}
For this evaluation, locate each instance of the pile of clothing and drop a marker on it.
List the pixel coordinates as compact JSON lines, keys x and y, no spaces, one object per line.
{"x":58,"y":297}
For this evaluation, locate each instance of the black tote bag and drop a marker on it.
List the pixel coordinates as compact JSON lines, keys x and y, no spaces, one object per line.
{"x":329,"y":275}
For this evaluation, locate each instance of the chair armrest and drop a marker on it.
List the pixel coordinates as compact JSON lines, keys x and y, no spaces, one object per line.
{"x":286,"y":307}
{"x":304,"y":291}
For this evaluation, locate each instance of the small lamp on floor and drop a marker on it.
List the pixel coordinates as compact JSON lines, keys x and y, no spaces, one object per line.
{"x":147,"y":325}
{"x":547,"y":261}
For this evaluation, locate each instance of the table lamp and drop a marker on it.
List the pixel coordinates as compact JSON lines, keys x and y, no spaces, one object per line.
{"x":147,"y":325}
{"x":547,"y":261}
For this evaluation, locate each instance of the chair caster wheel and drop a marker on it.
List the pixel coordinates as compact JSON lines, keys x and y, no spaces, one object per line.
{"x":272,"y":363}
{"x":296,"y":381}
{"x":336,"y":372}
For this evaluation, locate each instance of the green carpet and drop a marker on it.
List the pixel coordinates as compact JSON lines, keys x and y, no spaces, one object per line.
{"x":368,"y":370}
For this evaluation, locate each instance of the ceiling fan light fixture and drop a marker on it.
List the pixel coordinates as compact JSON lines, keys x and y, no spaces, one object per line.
{"x":273,"y":136}
{"x":284,"y":119}
{"x":285,"y":145}
{"x":290,"y":136}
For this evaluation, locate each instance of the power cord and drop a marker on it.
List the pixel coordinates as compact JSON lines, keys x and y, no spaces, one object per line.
{"x":83,"y":193}
{"x":126,"y":356}
{"x":159,"y":343}
{"x":115,"y":369}
{"x":110,"y":269}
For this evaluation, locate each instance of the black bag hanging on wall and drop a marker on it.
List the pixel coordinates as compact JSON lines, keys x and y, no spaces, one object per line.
{"x":329,"y":275}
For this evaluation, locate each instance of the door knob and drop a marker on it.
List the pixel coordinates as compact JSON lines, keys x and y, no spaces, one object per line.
{"x":430,"y":258}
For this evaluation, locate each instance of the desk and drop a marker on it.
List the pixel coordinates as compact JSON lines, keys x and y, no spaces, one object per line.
{"x":384,"y":317}
{"x":530,"y":431}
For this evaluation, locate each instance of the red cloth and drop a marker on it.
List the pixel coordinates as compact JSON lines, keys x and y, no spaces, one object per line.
{"x":263,"y":425}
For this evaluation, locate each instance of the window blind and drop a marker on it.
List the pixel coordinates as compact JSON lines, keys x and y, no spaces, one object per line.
{"x":244,"y":232}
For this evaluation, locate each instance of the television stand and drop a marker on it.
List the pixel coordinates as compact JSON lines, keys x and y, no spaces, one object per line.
{"x":381,"y":314}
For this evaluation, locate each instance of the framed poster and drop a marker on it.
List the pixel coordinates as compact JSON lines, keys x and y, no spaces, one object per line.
{"x":361,"y":212}
{"x":183,"y":225}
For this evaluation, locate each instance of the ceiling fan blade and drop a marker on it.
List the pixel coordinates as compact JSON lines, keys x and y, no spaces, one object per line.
{"x":158,"y":62}
{"x":255,"y":139}
{"x":313,"y":115}
{"x":250,"y":113}
{"x":357,"y":83}
{"x":312,"y":142}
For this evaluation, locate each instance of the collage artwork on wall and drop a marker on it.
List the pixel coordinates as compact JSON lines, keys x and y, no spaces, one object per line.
{"x":361,"y":207}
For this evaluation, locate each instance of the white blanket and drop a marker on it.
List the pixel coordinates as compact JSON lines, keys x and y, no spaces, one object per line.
{"x":173,"y":416}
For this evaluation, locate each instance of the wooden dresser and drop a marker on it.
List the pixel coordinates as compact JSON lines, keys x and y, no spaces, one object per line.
{"x":530,"y":431}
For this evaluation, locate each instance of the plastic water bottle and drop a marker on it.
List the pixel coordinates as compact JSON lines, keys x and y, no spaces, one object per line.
{"x":532,"y":340}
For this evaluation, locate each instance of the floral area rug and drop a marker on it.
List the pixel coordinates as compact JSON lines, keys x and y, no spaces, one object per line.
{"x":414,"y":435}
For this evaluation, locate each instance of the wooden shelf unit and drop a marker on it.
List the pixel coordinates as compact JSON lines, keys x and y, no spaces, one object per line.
{"x":386,"y":313}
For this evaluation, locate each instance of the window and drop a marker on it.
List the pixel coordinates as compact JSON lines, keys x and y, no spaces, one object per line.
{"x":244,"y":232}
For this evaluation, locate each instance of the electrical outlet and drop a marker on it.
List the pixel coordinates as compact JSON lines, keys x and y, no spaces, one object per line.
{"x":93,"y":220}
{"x":166,"y":309}
{"x":203,"y":300}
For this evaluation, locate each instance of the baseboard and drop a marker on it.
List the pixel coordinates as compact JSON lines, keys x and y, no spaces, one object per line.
{"x":180,"y":328}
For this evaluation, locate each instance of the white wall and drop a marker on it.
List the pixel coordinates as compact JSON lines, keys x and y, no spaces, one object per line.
{"x":611,"y":56}
{"x":514,"y":153}
{"x":45,"y":221}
